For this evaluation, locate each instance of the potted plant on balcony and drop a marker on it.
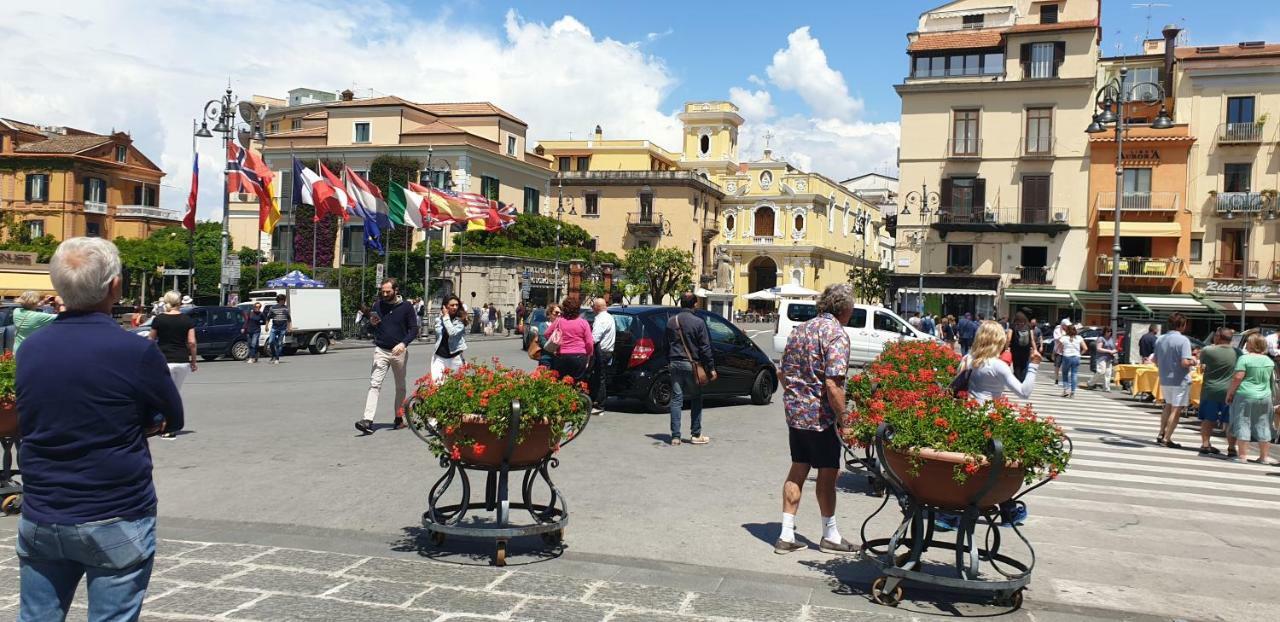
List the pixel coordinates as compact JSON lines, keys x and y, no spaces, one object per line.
{"x":8,"y":396}
{"x":940,"y":445}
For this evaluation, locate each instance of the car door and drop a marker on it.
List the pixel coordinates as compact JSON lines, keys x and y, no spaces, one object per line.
{"x":227,"y":324}
{"x":859,"y":337}
{"x":733,"y":364}
{"x":200,"y":319}
{"x":886,"y":328}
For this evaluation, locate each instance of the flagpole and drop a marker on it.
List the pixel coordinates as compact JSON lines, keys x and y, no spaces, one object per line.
{"x":315,"y":221}
{"x":191,"y":235}
{"x":408,"y":238}
{"x":426,"y":239}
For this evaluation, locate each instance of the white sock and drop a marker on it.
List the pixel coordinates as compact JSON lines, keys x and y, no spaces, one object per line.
{"x":788,"y":528}
{"x":829,"y":530}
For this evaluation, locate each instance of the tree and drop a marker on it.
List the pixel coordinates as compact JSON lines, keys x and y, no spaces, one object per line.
{"x":382,"y":171}
{"x":663,"y":271}
{"x":529,"y":231}
{"x":869,"y":284}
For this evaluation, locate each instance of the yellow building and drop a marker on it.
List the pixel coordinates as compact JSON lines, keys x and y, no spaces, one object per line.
{"x":749,"y":226}
{"x":65,"y":182}
{"x":472,"y":147}
{"x":993,"y":145}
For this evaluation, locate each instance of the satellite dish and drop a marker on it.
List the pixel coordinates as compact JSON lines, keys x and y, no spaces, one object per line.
{"x":248,"y":112}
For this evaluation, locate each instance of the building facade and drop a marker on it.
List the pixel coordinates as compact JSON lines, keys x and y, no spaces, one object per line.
{"x":993,"y":157}
{"x":66,"y":182}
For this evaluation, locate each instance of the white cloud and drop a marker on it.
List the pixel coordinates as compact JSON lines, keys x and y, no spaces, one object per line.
{"x":129,"y":65}
{"x":802,"y":67}
{"x":837,"y":149}
{"x":755,"y":106}
{"x":654,"y":36}
{"x":756,"y":80}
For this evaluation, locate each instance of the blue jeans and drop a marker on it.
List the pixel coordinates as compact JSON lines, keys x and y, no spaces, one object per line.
{"x":275,"y":342}
{"x":682,"y":383}
{"x":1070,"y":370}
{"x":115,"y":555}
{"x":253,"y":337}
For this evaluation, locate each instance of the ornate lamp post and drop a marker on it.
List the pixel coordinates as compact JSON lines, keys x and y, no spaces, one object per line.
{"x":926,"y":203}
{"x":559,"y":218}
{"x":1111,"y":100}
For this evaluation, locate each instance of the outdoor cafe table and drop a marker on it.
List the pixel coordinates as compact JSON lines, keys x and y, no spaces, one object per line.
{"x":1127,"y":372}
{"x":1147,"y":380}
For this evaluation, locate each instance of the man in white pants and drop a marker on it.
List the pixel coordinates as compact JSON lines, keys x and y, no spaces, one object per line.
{"x":395,"y":326}
{"x":451,"y":340}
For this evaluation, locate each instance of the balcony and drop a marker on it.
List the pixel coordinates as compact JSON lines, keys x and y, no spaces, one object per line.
{"x":689,"y":179}
{"x":1141,"y":267}
{"x":1240,"y":133}
{"x":709,"y":232}
{"x":1240,"y":202}
{"x":960,"y":269}
{"x":1051,"y":221}
{"x":964,"y":148}
{"x":95,"y":207}
{"x":1032,"y":275}
{"x":763,"y":239}
{"x":1036,"y":147}
{"x":1234,"y":269}
{"x":644,"y":223}
{"x":147,"y":211}
{"x":1138,"y":202}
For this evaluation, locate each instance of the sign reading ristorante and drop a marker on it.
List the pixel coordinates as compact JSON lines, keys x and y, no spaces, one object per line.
{"x":1219,"y":287}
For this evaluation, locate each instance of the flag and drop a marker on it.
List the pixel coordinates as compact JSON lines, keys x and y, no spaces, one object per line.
{"x":396,"y":203}
{"x":246,"y":172}
{"x":506,"y":214}
{"x":477,"y":208}
{"x":314,"y":190}
{"x":341,"y":197}
{"x":366,"y":197}
{"x":189,"y":220}
{"x":446,"y":205}
{"x":415,"y":198}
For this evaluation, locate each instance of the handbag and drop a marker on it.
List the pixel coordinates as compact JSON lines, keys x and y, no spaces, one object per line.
{"x":552,"y":346}
{"x":535,"y":350}
{"x":961,"y":381}
{"x":700,"y":375}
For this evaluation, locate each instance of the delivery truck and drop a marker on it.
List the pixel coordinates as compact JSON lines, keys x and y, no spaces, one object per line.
{"x":316,"y":312}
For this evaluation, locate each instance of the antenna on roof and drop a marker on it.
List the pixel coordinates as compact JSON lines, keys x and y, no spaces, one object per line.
{"x":1149,"y":6}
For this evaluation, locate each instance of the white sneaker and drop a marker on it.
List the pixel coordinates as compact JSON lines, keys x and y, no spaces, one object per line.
{"x":597,"y":411}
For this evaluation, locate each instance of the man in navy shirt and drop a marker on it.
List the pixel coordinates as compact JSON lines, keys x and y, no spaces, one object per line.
{"x":88,"y":396}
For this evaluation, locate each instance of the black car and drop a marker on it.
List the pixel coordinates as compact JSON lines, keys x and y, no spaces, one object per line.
{"x":217,"y":332}
{"x":640,"y":359}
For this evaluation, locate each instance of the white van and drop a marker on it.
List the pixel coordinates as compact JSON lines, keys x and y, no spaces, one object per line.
{"x":869,"y":328}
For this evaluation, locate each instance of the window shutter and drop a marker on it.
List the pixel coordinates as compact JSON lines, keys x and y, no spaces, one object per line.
{"x":28,"y":184}
{"x":137,"y":195}
{"x":1059,"y":55}
{"x":946,"y":193}
{"x":979,"y":194}
{"x":87,"y":188}
{"x":1024,"y":58}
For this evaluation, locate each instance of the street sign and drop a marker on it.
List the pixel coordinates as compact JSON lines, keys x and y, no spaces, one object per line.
{"x":231,"y":270}
{"x":177,"y":271}
{"x":379,"y":272}
{"x":528,"y":274}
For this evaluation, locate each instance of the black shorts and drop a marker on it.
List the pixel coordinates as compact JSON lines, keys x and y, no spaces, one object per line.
{"x":820,"y":450}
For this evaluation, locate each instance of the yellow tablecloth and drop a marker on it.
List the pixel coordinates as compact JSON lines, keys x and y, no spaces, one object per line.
{"x":1127,"y":372}
{"x":1147,"y":380}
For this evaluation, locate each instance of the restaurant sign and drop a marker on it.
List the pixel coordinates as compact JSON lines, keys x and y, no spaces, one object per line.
{"x":14,"y":258}
{"x":1218,"y":287}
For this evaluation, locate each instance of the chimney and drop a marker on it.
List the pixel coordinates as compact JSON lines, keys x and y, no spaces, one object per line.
{"x":347,"y":95}
{"x":1170,"y":33}
{"x":599,"y":135}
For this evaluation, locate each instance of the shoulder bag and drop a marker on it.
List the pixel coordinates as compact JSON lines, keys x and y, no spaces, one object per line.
{"x":552,"y":346}
{"x":535,"y":350}
{"x":961,"y":381}
{"x":699,"y":372}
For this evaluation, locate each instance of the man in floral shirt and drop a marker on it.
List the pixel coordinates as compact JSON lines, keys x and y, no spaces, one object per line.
{"x":814,"y":366}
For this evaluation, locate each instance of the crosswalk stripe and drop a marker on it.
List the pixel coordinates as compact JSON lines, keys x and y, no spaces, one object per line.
{"x":1137,"y":600}
{"x":1078,"y":506}
{"x":1103,"y":465}
{"x":1268,"y":491}
{"x":1197,"y":464}
{"x":1064,"y":483}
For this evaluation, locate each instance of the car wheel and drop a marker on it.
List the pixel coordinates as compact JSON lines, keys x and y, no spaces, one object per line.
{"x":209,"y":357}
{"x":762,"y":388}
{"x":658,"y":399}
{"x":240,"y":350}
{"x":320,"y":346}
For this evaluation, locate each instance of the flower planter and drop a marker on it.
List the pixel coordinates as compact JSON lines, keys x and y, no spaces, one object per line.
{"x":933,"y":482}
{"x":487,"y":449}
{"x":8,"y":419}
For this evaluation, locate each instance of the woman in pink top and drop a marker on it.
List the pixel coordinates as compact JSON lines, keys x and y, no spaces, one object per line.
{"x":575,"y":341}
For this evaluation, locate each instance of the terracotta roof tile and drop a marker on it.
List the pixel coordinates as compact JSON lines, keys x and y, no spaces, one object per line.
{"x":316,"y":115}
{"x":307,"y":131}
{"x":64,"y":144}
{"x":1074,"y":25}
{"x":965,"y":39}
{"x":389,"y":100}
{"x":467,"y":109}
{"x":437,"y":127}
{"x":19,"y":125}
{"x":1228,"y":51}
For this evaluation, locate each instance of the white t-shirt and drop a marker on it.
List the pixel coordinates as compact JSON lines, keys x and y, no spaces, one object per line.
{"x":1071,"y":346}
{"x":1273,"y":344}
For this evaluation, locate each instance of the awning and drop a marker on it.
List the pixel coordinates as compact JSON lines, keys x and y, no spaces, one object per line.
{"x":1106,"y":228}
{"x":946,"y":291}
{"x":1250,"y":307}
{"x":1037,"y":295}
{"x":1170,"y":302}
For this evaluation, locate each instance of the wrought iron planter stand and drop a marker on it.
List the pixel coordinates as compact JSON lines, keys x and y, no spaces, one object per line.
{"x":10,"y":488}
{"x":916,"y":534}
{"x":549,"y":519}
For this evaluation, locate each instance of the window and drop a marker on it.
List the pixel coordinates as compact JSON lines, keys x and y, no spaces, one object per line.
{"x":889,"y":323}
{"x":858,"y":319}
{"x":730,"y":223}
{"x":1035,"y":199}
{"x":361,"y":132}
{"x":439,"y":178}
{"x":1039,"y":130}
{"x":282,"y":243}
{"x":93,"y":229}
{"x":1197,"y":249}
{"x":1135,"y":247}
{"x":798,"y":224}
{"x":95,"y":190}
{"x":530,"y":200}
{"x":592,"y":202}
{"x":35,"y":228}
{"x":37,"y":188}
{"x":1239,"y":110}
{"x":719,"y":331}
{"x":489,"y":187}
{"x":1042,"y":60}
{"x":646,"y":207}
{"x":704,"y":144}
{"x":273,"y":127}
{"x":964,"y":132}
{"x":1136,"y":181}
{"x":122,"y":153}
{"x":145,"y":195}
{"x":960,"y":257}
{"x":1237,"y":177}
{"x":353,"y":245}
{"x":801,"y":312}
{"x":1035,"y":256}
{"x":963,"y":197}
{"x":1048,"y":14}
{"x":562,"y":163}
{"x":584,"y":163}
{"x":972,"y":21}
{"x":511,"y":145}
{"x":964,"y":65}
{"x":643,"y":244}
{"x":764,"y":222}
{"x":1146,"y":76}
{"x":968,"y":64}
{"x":296,"y":124}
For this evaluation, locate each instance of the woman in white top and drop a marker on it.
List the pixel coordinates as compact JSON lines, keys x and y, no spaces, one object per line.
{"x":1070,"y":344}
{"x":990,"y":375}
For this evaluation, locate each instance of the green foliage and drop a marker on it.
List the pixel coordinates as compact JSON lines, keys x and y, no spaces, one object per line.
{"x":528,"y":231}
{"x":8,"y":372}
{"x":661,"y":271}
{"x":386,"y":168}
{"x":870,"y":284}
{"x":143,"y":260}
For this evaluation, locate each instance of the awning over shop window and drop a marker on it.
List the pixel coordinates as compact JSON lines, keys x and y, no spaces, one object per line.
{"x":1140,"y":229}
{"x":1037,"y":296}
{"x":1150,"y":306}
{"x":946,"y":291}
{"x":1267,"y":307}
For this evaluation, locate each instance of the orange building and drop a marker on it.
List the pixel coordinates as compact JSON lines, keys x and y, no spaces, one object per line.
{"x":65,"y":182}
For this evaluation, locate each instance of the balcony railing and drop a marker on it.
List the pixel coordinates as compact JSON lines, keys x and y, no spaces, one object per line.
{"x":709,"y":231}
{"x":762,"y":239}
{"x":1033,"y":275}
{"x":1240,"y":202}
{"x":147,"y":211}
{"x":1233,"y":269}
{"x":1032,"y":147}
{"x":1239,"y":133}
{"x":964,"y":147}
{"x":644,"y":222}
{"x":960,"y":269}
{"x":95,"y":207}
{"x":1140,"y":267}
{"x":1002,"y":215}
{"x":640,"y":177}
{"x":1139,"y":201}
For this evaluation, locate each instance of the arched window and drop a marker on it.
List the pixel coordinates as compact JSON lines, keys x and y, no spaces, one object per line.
{"x":766,"y":180}
{"x":799,"y":223}
{"x":730,"y":223}
{"x":704,"y":144}
{"x":764,"y":221}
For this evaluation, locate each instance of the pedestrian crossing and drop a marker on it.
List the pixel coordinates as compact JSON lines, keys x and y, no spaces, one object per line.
{"x":1138,"y":527}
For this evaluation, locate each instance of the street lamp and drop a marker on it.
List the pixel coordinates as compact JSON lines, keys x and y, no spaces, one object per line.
{"x":223,"y":112}
{"x":927,"y":204}
{"x":1111,"y":99}
{"x":1251,"y":210}
{"x":559,"y":218}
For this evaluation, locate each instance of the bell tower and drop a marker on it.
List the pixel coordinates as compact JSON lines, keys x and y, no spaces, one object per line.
{"x":710,"y":134}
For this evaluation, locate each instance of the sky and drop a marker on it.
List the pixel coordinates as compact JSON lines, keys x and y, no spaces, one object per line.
{"x":816,"y":76}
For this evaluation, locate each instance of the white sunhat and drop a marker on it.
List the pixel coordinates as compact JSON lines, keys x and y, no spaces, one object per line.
{"x":1066,"y":321}
{"x":186,"y":300}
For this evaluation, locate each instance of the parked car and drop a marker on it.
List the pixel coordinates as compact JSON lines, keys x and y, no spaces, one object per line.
{"x":869,"y":328}
{"x":7,"y":330}
{"x":217,"y":332}
{"x":640,"y":359}
{"x":540,"y":315}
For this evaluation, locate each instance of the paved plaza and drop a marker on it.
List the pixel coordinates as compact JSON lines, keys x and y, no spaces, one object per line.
{"x":273,"y":508}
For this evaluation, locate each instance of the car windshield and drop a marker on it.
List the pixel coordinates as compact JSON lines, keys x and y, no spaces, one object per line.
{"x":801,"y":312}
